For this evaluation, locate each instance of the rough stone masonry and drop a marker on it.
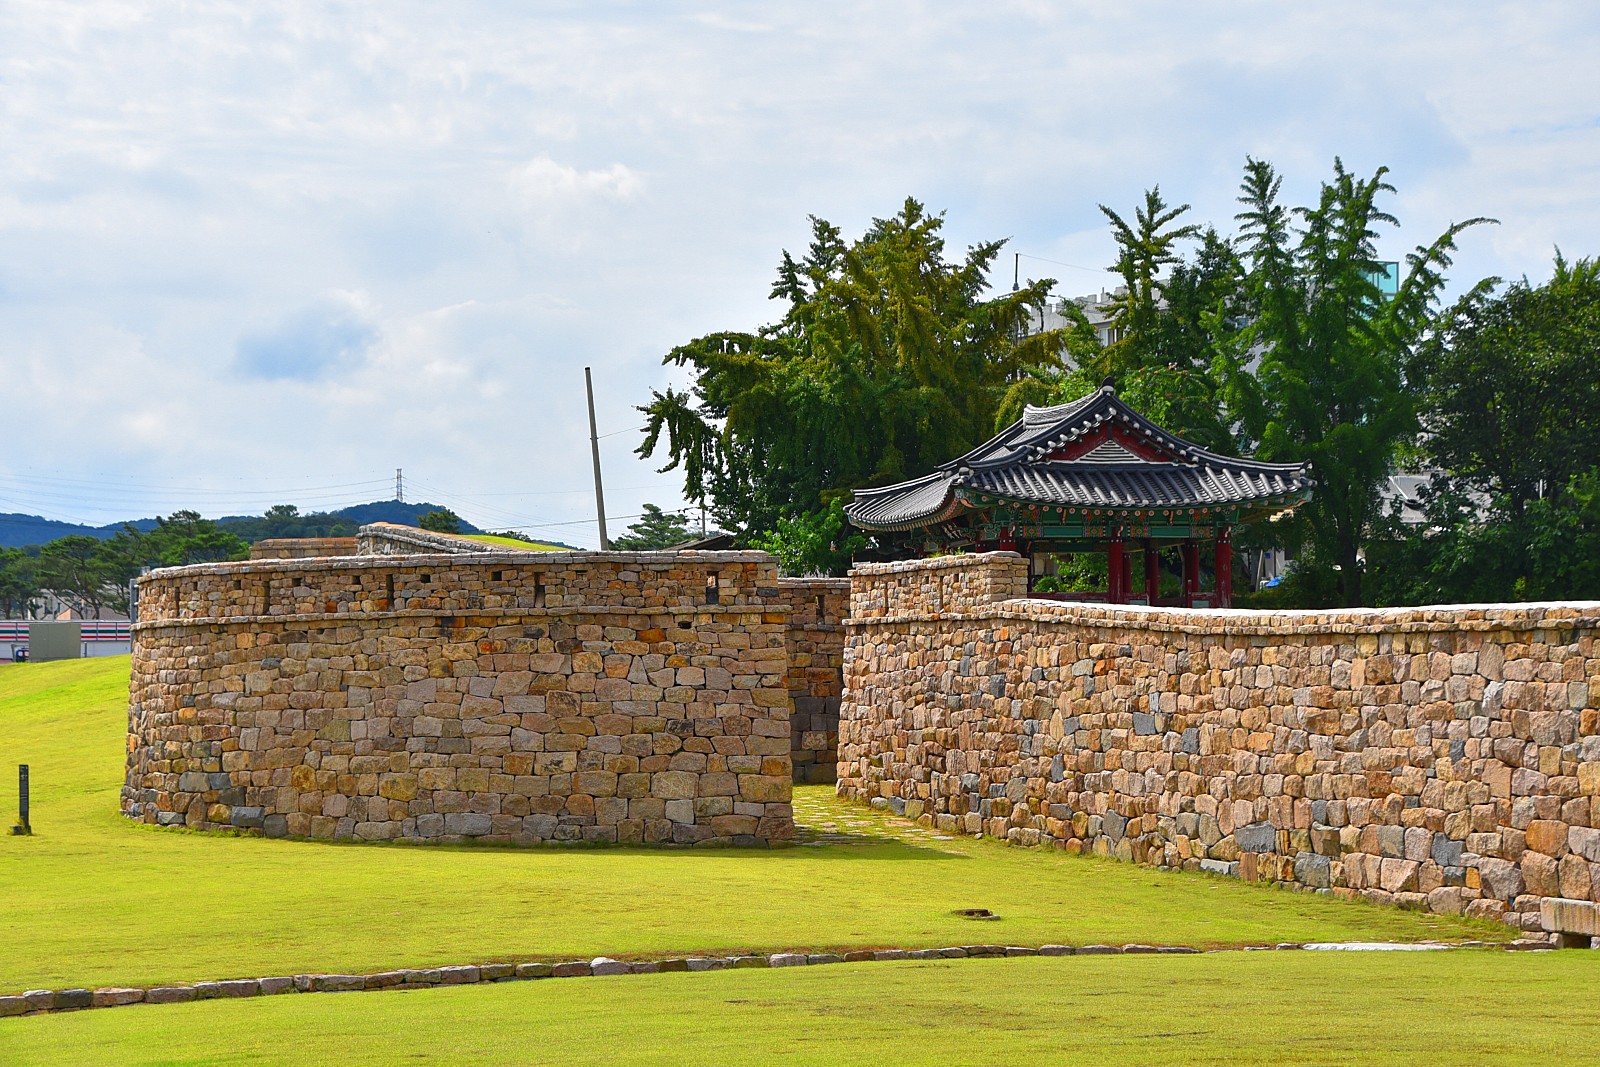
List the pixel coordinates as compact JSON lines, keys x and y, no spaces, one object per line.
{"x":496,"y":696}
{"x":1446,"y":758}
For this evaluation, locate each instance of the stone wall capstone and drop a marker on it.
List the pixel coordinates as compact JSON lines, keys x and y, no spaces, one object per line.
{"x":513,"y":697}
{"x":303,"y":547}
{"x":1442,"y":757}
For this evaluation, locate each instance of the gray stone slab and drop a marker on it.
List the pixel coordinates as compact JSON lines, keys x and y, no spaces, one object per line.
{"x":703,"y":963}
{"x":1256,"y":837}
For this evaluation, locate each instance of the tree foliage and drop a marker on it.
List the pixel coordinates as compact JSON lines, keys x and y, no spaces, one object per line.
{"x":654,"y":530}
{"x":286,"y":520}
{"x":816,"y":543}
{"x":889,"y":360}
{"x":443,"y":520}
{"x":90,"y":575}
{"x":19,"y":584}
{"x":1317,"y":373}
{"x":1511,"y":385}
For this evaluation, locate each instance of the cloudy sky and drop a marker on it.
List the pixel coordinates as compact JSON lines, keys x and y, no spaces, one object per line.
{"x":268,"y":252}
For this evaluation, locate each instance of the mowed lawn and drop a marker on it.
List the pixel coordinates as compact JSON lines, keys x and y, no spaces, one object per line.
{"x":1466,"y":1007}
{"x":94,"y":900}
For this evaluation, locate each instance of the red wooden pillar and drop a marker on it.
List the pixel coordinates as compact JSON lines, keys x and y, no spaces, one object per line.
{"x":1152,"y":573}
{"x":1127,"y":574}
{"x":1191,"y":572}
{"x":1116,"y":593}
{"x":1224,"y":597}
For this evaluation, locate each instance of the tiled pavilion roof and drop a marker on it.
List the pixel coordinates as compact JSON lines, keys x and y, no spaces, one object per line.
{"x":1095,"y":453}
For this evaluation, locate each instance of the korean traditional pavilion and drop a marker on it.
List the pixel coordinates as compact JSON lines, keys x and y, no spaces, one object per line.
{"x":1090,"y":476}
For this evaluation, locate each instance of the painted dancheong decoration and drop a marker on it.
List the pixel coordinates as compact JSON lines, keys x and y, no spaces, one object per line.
{"x":1090,"y":476}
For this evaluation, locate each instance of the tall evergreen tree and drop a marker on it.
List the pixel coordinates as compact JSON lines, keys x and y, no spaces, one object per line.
{"x":655,"y":529}
{"x":1318,"y":373}
{"x":889,"y":360}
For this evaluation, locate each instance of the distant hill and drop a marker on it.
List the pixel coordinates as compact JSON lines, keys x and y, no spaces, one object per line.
{"x":17,"y":530}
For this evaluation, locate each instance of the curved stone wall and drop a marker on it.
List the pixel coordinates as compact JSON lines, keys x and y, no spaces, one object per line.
{"x":1445,"y":757}
{"x":514,"y":697}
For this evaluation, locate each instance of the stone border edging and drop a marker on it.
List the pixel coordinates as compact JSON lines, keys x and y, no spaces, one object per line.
{"x":45,"y":1001}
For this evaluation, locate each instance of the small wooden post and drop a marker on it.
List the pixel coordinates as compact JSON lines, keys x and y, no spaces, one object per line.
{"x":1152,"y":572}
{"x":23,"y":828}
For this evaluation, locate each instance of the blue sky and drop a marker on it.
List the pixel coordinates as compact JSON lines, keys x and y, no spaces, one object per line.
{"x":267,"y":253}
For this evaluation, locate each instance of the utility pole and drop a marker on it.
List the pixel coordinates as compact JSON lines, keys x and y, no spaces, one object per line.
{"x":399,"y":486}
{"x":594,"y":450}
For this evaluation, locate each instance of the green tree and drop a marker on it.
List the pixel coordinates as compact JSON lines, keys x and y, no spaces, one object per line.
{"x":1510,"y":387}
{"x":441,"y":521}
{"x":1144,"y":249}
{"x":889,"y":360}
{"x":183,"y":538}
{"x":655,"y":529}
{"x":1317,"y":374}
{"x":817,"y":543}
{"x":74,"y":569}
{"x":1474,"y":549}
{"x":19,"y":584}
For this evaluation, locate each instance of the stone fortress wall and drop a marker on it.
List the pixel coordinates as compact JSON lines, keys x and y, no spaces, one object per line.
{"x":1444,"y":758}
{"x":494,"y":695}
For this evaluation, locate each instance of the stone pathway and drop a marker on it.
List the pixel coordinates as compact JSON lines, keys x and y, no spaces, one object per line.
{"x":819,"y":821}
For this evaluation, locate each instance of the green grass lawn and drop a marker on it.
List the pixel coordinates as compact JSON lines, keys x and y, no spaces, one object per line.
{"x":515,"y":542}
{"x":92,"y":899}
{"x":1467,"y":1007}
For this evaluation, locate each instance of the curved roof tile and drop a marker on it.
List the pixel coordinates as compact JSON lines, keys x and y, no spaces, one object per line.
{"x":1014,"y":464}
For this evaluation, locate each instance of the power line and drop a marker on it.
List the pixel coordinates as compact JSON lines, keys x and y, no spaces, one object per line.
{"x":1063,"y":263}
{"x":123,"y":486}
{"x":614,"y":433}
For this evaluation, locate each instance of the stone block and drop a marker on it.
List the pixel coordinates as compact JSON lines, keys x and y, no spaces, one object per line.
{"x":1561,"y":915}
{"x":1256,"y":837}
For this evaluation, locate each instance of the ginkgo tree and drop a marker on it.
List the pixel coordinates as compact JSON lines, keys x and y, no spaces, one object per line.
{"x":890,"y":358}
